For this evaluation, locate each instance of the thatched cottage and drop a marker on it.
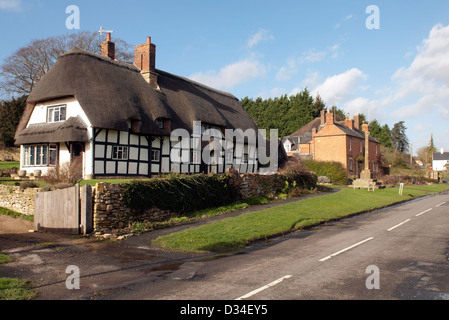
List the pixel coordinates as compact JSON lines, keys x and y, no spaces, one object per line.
{"x":117,"y":118}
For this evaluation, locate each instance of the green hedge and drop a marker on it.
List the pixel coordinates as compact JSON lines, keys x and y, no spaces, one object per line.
{"x":181,"y":194}
{"x":331,"y":169}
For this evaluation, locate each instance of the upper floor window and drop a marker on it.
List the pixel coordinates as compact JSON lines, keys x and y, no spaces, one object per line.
{"x":160,"y":123}
{"x":56,"y":113}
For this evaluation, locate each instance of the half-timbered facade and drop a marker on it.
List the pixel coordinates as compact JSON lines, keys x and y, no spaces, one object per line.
{"x":120,"y":119}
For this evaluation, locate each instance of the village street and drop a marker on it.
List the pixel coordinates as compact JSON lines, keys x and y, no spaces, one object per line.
{"x":396,"y":253}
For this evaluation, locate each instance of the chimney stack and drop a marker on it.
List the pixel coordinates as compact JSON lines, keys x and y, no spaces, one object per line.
{"x":330,"y":117}
{"x":145,"y":60}
{"x":349,"y":123}
{"x":108,"y":47}
{"x":365,"y":127}
{"x":357,"y":121}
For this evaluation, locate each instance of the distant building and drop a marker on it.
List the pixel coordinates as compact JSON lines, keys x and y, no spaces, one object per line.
{"x":328,"y":138}
{"x":439,"y":160}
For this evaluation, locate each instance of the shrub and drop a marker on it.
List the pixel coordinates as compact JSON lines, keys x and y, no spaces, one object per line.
{"x":181,"y":194}
{"x":67,"y":173}
{"x":28,"y":184}
{"x":331,"y":169}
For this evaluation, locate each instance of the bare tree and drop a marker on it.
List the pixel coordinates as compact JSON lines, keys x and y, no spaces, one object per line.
{"x":21,"y":71}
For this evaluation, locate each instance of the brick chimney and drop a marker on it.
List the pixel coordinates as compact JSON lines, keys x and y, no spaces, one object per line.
{"x":108,"y":47}
{"x":349,"y":123}
{"x":323,"y":117}
{"x":357,"y":121}
{"x":365,"y":127}
{"x":330,"y":117}
{"x":145,"y":60}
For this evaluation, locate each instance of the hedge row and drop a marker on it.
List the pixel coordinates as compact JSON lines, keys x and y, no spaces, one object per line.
{"x":189,"y":193}
{"x":331,"y":169}
{"x":181,"y":193}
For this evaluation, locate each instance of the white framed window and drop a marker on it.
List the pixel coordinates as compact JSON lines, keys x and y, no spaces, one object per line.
{"x":119,"y":153}
{"x":155,"y":155}
{"x":56,"y":113}
{"x":40,"y":155}
{"x":160,"y":123}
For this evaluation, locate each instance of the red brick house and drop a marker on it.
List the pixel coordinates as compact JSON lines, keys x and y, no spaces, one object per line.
{"x":328,"y":138}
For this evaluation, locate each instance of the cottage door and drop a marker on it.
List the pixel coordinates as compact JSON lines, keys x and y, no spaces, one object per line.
{"x":76,"y":158}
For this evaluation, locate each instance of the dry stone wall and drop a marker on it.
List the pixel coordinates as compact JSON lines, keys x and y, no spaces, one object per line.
{"x":15,"y":199}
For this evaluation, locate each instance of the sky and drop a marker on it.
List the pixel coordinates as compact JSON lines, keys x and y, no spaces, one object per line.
{"x":386,"y":59}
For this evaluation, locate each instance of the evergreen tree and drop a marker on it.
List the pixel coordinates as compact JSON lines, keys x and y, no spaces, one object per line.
{"x":10,"y":114}
{"x":399,"y":139}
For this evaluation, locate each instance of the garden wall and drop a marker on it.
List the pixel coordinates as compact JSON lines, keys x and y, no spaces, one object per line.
{"x":110,"y":209}
{"x":15,"y":199}
{"x":110,"y":202}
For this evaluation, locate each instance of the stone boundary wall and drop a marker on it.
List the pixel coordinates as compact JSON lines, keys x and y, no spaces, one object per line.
{"x":12,"y":198}
{"x":110,"y":211}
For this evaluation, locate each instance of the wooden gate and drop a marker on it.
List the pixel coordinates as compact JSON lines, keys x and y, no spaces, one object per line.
{"x":64,"y":211}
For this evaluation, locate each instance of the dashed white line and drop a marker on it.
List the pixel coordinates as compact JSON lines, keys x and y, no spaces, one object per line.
{"x":398,"y":225}
{"x":346,"y":249}
{"x":417,"y":215}
{"x":440,"y":204}
{"x":252,"y":293}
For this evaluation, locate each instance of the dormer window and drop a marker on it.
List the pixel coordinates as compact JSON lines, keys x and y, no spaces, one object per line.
{"x":56,"y":113}
{"x":160,"y":123}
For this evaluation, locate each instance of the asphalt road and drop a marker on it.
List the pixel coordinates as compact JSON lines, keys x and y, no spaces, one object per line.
{"x":401,"y":252}
{"x":398,"y":253}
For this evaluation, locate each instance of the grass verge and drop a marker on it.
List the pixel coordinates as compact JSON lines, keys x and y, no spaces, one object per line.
{"x":232,"y":233}
{"x":14,"y":214}
{"x":16,"y":289}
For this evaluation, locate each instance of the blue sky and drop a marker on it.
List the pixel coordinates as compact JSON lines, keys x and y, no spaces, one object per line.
{"x":269,"y":48}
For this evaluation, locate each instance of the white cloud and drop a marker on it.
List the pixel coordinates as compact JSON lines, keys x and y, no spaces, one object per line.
{"x":292,"y":66}
{"x":261,"y":35}
{"x":11,"y":5}
{"x":340,"y":86}
{"x":231,"y":75}
{"x":425,"y":83}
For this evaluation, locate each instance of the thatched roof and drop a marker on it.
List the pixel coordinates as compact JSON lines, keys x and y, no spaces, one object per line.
{"x":74,"y":129}
{"x":112,"y":93}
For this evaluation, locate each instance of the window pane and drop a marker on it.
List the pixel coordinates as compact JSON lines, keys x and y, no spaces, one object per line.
{"x":50,"y":115}
{"x":44,"y":155}
{"x":62,"y":114}
{"x":32,"y":155}
{"x":52,"y":155}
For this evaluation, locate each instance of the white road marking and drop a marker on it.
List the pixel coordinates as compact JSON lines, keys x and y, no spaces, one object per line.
{"x":252,"y":293}
{"x":398,"y":225}
{"x":440,"y":204}
{"x":417,"y":215}
{"x":346,"y":249}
